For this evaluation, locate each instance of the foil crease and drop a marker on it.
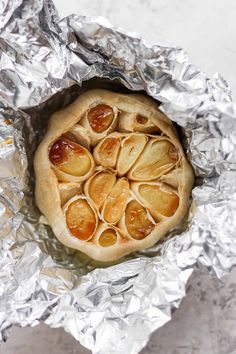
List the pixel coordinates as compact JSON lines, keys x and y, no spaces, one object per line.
{"x":114,"y":308}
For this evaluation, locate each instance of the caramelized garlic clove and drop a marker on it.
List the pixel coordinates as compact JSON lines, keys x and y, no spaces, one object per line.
{"x":131,"y":148}
{"x":136,"y":221}
{"x":106,"y":152}
{"x":98,"y":187}
{"x":158,"y":157}
{"x":160,"y":199}
{"x":68,"y":190}
{"x":136,"y":122}
{"x":71,"y":161}
{"x":100,"y":120}
{"x":81,"y":218}
{"x":100,"y":117}
{"x":106,"y":236}
{"x":115,"y":203}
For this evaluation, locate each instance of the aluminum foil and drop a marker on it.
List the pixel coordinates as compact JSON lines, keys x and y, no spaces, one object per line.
{"x":113,"y":308}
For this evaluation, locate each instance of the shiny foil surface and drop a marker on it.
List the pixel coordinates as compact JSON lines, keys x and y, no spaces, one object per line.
{"x":112,"y":308}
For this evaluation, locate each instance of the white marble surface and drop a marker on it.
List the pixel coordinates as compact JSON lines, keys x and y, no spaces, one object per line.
{"x":206,"y":320}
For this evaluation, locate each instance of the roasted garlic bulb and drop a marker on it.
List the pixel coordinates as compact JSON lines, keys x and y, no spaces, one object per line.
{"x":111,"y":174}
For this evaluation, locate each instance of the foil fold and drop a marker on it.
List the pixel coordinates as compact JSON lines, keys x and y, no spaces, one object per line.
{"x":113,"y":308}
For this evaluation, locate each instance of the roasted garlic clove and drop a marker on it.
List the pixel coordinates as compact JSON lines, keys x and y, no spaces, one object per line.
{"x":98,"y":187}
{"x":100,"y":120}
{"x":106,"y":152}
{"x":131,"y":148}
{"x":108,"y":238}
{"x":115,"y":203}
{"x":81,"y":218}
{"x":106,"y":235}
{"x":136,"y":221}
{"x":68,"y":190}
{"x":71,"y":161}
{"x":100,"y":117}
{"x":158,"y":157}
{"x":135,"y":122}
{"x":79,"y":135}
{"x":159,"y":199}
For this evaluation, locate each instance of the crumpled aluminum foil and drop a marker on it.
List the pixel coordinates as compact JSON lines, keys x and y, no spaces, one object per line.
{"x":115,"y":308}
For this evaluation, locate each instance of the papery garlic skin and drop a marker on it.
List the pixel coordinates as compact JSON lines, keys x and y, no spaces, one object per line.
{"x":79,"y":135}
{"x":68,"y":190}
